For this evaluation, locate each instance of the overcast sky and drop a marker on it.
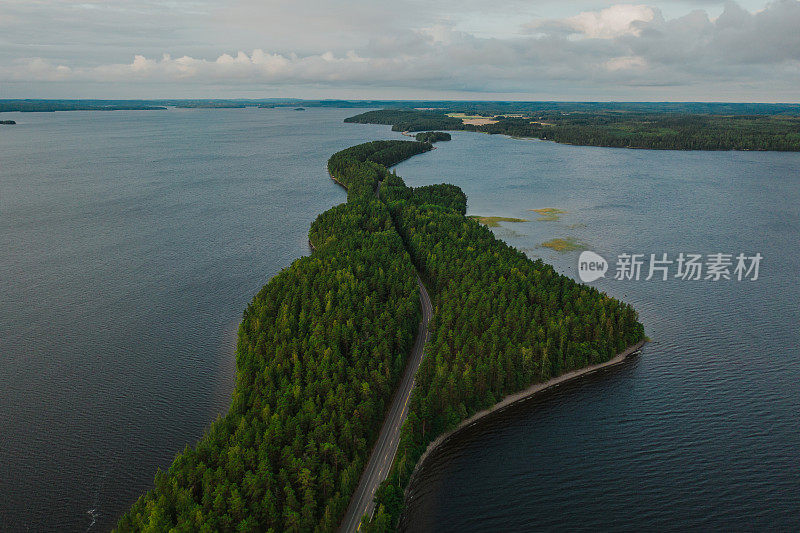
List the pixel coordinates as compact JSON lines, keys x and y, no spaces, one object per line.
{"x":465,"y":49}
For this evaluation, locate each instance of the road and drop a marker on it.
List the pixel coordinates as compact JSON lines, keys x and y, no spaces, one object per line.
{"x":380,"y":461}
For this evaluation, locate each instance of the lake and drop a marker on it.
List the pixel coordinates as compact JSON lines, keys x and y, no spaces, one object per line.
{"x":701,"y":431}
{"x":132,"y":241}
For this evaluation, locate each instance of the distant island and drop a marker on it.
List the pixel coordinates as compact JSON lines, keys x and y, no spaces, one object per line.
{"x":299,"y":108}
{"x":433,"y":136}
{"x":209,"y":104}
{"x":322,"y":348}
{"x":7,"y":122}
{"x":466,"y":113}
{"x":652,"y":129}
{"x":46,"y":106}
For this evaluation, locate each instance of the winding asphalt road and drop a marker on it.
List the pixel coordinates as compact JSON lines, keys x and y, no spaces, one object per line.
{"x":380,"y":461}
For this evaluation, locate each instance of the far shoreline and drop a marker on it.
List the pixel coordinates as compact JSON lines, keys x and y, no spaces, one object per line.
{"x":511,"y":399}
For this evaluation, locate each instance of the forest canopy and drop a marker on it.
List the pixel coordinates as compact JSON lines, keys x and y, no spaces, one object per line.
{"x":501,"y":322}
{"x":620,"y":129}
{"x":319,"y":353}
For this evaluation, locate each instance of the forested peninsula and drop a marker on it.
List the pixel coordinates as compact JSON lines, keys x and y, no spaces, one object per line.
{"x":322,"y":346}
{"x":651,"y":129}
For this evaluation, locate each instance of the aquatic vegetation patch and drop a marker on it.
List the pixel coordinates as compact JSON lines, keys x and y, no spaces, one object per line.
{"x":549,"y":213}
{"x":494,"y":222}
{"x":568,"y":244}
{"x":510,"y":233}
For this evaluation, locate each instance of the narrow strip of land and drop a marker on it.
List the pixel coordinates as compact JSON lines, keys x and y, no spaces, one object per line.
{"x":380,"y":461}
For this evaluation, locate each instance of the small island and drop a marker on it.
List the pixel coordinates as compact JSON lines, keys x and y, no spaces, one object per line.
{"x":432,"y":136}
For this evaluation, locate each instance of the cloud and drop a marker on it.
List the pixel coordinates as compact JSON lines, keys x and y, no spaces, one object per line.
{"x":625,"y":63}
{"x":614,"y":21}
{"x":256,"y":66}
{"x":619,"y":51}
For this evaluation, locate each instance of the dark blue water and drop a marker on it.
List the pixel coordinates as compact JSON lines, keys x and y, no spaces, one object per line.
{"x":130,"y":244}
{"x":702,"y":431}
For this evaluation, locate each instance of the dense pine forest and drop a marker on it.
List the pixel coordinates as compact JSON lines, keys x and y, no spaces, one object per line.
{"x":321,"y":348}
{"x":319,"y":353}
{"x":501,"y":322}
{"x":620,"y":129}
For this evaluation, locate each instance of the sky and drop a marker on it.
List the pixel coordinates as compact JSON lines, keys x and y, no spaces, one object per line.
{"x":662,"y":50}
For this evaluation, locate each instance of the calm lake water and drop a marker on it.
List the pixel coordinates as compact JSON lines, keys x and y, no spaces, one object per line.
{"x":130,"y":245}
{"x":702,"y":431}
{"x":132,"y":242}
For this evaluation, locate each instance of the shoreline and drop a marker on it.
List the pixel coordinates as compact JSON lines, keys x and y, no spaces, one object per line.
{"x":337,"y":182}
{"x":529,"y":392}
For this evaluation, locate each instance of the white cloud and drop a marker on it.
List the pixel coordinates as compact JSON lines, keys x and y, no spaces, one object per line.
{"x":614,"y":21}
{"x":625,"y":63}
{"x":256,"y":66}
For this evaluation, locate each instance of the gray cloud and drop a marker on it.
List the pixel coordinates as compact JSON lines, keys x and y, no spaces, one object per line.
{"x":620,"y":52}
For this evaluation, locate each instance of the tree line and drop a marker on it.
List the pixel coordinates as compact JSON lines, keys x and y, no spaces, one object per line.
{"x":651,"y":130}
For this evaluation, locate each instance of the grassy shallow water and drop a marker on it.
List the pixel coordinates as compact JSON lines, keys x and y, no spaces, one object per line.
{"x":494,"y":222}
